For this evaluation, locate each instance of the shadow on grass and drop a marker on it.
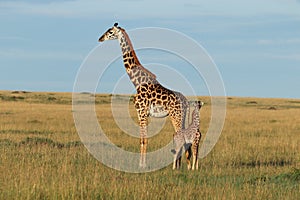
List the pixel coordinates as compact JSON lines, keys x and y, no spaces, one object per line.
{"x":38,"y":141}
{"x":293,"y":177}
{"x":278,"y":163}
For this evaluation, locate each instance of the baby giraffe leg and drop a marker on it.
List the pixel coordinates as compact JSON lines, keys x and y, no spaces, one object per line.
{"x":195,"y":148}
{"x":195,"y":160}
{"x":177,"y":155}
{"x":178,"y":141}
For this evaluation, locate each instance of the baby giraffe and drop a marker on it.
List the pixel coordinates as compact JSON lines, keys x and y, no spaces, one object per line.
{"x":188,"y":137}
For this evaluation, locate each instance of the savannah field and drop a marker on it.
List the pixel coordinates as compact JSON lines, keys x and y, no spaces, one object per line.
{"x":42,"y":157}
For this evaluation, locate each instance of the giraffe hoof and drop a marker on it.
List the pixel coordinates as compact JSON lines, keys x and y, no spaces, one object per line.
{"x":142,"y":165}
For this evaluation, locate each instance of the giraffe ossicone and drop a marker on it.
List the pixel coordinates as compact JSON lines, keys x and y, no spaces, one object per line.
{"x":151,"y":98}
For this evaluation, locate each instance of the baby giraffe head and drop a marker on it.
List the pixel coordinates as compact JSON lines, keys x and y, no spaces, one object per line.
{"x":111,"y":34}
{"x":198,"y":104}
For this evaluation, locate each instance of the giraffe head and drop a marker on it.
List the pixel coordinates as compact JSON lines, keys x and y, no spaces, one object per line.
{"x":198,"y":104}
{"x":111,"y":34}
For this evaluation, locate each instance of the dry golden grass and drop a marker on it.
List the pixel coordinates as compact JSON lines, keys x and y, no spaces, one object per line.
{"x":41,"y":156}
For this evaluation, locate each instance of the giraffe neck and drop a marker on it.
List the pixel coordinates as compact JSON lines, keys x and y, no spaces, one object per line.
{"x":137,"y":73}
{"x":194,"y":126}
{"x":126,"y":46}
{"x":195,"y":118}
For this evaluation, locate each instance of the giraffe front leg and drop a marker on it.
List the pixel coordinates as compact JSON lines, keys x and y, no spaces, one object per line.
{"x":143,"y":144}
{"x":195,"y":158}
{"x":195,"y":161}
{"x":143,"y":137}
{"x":177,"y":156}
{"x":178,"y":141}
{"x":141,"y":108}
{"x":195,"y":148}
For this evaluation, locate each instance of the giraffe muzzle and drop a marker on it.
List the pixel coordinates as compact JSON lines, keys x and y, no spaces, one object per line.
{"x":101,"y":39}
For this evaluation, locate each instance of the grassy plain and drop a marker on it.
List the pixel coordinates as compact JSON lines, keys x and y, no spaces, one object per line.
{"x":42,"y":157}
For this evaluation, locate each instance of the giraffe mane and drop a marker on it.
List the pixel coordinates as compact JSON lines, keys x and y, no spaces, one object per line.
{"x":135,"y":56}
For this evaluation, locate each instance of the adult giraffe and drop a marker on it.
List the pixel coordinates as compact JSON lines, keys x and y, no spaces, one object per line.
{"x":151,"y":96}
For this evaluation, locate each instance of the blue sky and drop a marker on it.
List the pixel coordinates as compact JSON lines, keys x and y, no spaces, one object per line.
{"x":255,"y":44}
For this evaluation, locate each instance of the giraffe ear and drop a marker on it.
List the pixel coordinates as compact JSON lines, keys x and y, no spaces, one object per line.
{"x":201,"y":103}
{"x":116,"y":24}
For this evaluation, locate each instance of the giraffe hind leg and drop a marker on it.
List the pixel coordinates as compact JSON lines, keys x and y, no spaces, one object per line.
{"x":143,"y":144}
{"x":143,"y":140}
